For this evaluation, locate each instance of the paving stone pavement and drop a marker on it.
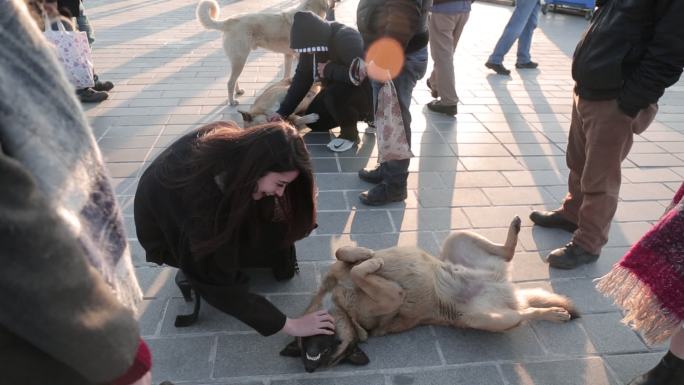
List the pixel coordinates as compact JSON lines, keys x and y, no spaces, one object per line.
{"x":503,"y":155}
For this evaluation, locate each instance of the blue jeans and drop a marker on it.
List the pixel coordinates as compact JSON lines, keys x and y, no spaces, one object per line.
{"x":395,"y":172}
{"x":520,"y":26}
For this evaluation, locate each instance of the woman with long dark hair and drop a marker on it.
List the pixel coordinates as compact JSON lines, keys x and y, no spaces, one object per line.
{"x":221,"y":199}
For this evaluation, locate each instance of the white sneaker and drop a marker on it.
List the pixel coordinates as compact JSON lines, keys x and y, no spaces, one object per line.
{"x":340,"y":145}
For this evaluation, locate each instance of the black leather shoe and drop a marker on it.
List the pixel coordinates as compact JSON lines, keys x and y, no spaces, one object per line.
{"x":89,"y":95}
{"x":552,"y":219}
{"x":669,"y":371}
{"x":184,"y":285}
{"x":498,"y":68}
{"x":371,"y":175}
{"x":433,"y":91}
{"x":383,"y":194}
{"x":103,"y":86}
{"x":528,"y":65}
{"x":442,"y":108}
{"x":570,"y":256}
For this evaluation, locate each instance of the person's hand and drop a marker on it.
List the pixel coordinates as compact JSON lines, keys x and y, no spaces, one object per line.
{"x":321,"y":69}
{"x":144,"y":380}
{"x":318,"y":322}
{"x":378,"y":73}
{"x":274,"y":117}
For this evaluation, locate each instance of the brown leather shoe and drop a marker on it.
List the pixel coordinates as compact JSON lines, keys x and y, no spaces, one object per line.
{"x":570,"y":256}
{"x":433,"y":91}
{"x":552,"y":219}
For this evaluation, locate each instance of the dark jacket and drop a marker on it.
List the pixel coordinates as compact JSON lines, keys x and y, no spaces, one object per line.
{"x":345,"y":44}
{"x":403,"y":20}
{"x":632,"y":51}
{"x":167,"y":228}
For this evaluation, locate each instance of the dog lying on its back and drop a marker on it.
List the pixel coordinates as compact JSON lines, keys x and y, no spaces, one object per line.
{"x":269,"y":101}
{"x":396,"y":289}
{"x":244,"y":33}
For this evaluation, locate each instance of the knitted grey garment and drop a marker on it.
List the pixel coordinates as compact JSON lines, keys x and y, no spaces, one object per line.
{"x":43,"y":127}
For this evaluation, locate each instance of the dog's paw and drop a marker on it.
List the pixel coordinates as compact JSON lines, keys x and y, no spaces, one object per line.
{"x":239,"y":91}
{"x":515,"y":224}
{"x":234,"y":102}
{"x":557,"y":314}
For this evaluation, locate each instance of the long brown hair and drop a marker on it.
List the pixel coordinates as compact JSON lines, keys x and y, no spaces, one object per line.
{"x":220,"y":173}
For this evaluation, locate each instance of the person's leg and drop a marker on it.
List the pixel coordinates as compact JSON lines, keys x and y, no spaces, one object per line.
{"x":442,"y":50}
{"x":515,"y":26}
{"x":84,"y":24}
{"x":395,"y":173}
{"x":574,"y":159}
{"x":325,"y":120}
{"x":346,"y":104}
{"x":525,"y":40}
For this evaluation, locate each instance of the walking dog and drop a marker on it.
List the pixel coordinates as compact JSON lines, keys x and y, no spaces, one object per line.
{"x":244,"y":33}
{"x":396,"y":289}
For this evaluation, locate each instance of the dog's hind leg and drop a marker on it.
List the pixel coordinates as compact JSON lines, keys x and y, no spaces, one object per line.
{"x":507,"y":250}
{"x":237,"y":64}
{"x":498,"y":321}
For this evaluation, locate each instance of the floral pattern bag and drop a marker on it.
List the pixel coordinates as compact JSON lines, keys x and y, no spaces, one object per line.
{"x":73,"y":51}
{"x":392,"y":141}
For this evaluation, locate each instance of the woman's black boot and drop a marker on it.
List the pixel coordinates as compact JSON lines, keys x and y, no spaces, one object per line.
{"x":669,"y":371}
{"x":286,"y":265}
{"x":186,"y":289}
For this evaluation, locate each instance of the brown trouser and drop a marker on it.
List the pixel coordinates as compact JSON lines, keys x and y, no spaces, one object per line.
{"x":600,"y":139}
{"x":445,"y":30}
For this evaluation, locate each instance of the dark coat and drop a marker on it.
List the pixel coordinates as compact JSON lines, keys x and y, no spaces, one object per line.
{"x":403,"y":20}
{"x":167,"y":228}
{"x":345,"y":44}
{"x":632,"y":51}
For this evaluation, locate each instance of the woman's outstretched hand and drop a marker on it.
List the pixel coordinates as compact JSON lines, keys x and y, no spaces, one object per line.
{"x":318,"y":322}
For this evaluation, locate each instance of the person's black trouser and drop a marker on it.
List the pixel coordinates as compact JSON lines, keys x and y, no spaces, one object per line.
{"x":341,"y":104}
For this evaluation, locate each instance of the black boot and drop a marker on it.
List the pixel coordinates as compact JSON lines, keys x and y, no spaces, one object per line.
{"x":183,"y":320}
{"x":286,"y":264}
{"x":383,"y":193}
{"x":371,"y":175}
{"x":552,"y":219}
{"x":570,"y":256}
{"x":669,"y":371}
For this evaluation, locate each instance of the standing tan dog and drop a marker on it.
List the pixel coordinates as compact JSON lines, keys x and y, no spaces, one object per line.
{"x":269,"y":101}
{"x":244,"y":33}
{"x":396,"y":289}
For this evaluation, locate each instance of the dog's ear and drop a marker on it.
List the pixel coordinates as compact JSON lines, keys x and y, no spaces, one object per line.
{"x":292,"y":349}
{"x":357,"y":357}
{"x":246,"y":116}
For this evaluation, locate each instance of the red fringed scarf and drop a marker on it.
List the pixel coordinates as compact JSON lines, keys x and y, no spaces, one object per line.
{"x":648,"y":283}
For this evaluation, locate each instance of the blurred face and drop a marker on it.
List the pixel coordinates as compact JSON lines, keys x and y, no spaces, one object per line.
{"x":274,"y":183}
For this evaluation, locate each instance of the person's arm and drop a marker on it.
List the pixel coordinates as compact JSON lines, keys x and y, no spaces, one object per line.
{"x":348,"y":46}
{"x":50,"y":296}
{"x":301,"y":83}
{"x":662,"y":64}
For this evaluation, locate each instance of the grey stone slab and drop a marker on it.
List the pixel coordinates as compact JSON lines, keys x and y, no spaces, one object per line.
{"x":502,"y":163}
{"x":539,"y":238}
{"x":320,"y":247}
{"x":340,"y":181}
{"x":125,"y":170}
{"x":253,"y":355}
{"x":157,"y":282}
{"x":537,"y":178}
{"x":628,"y":366}
{"x":609,"y":335}
{"x":361,"y":222}
{"x":517,"y":195}
{"x":498,"y":216}
{"x":331,"y":200}
{"x":209,"y":320}
{"x":375,"y":379}
{"x":424,"y":240}
{"x":127,"y":142}
{"x":355,"y":164}
{"x":150,"y":313}
{"x":571,"y":372}
{"x":475,"y":375}
{"x":411,"y":201}
{"x":585,"y":296}
{"x":320,"y":151}
{"x":463,"y":346}
{"x":457,"y":197}
{"x":124,"y":186}
{"x":324,"y":165}
{"x":291,"y":305}
{"x":644,"y":191}
{"x":262,"y":281}
{"x":429,"y":219}
{"x":463,"y":179}
{"x":566,"y":339}
{"x":181,"y":359}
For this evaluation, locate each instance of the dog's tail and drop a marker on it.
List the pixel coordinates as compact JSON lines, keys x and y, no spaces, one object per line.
{"x":302,"y":121}
{"x":538,"y":297}
{"x":207,"y":12}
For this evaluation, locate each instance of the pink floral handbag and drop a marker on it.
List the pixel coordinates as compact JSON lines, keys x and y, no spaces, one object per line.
{"x":73,"y":51}
{"x":392,"y":141}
